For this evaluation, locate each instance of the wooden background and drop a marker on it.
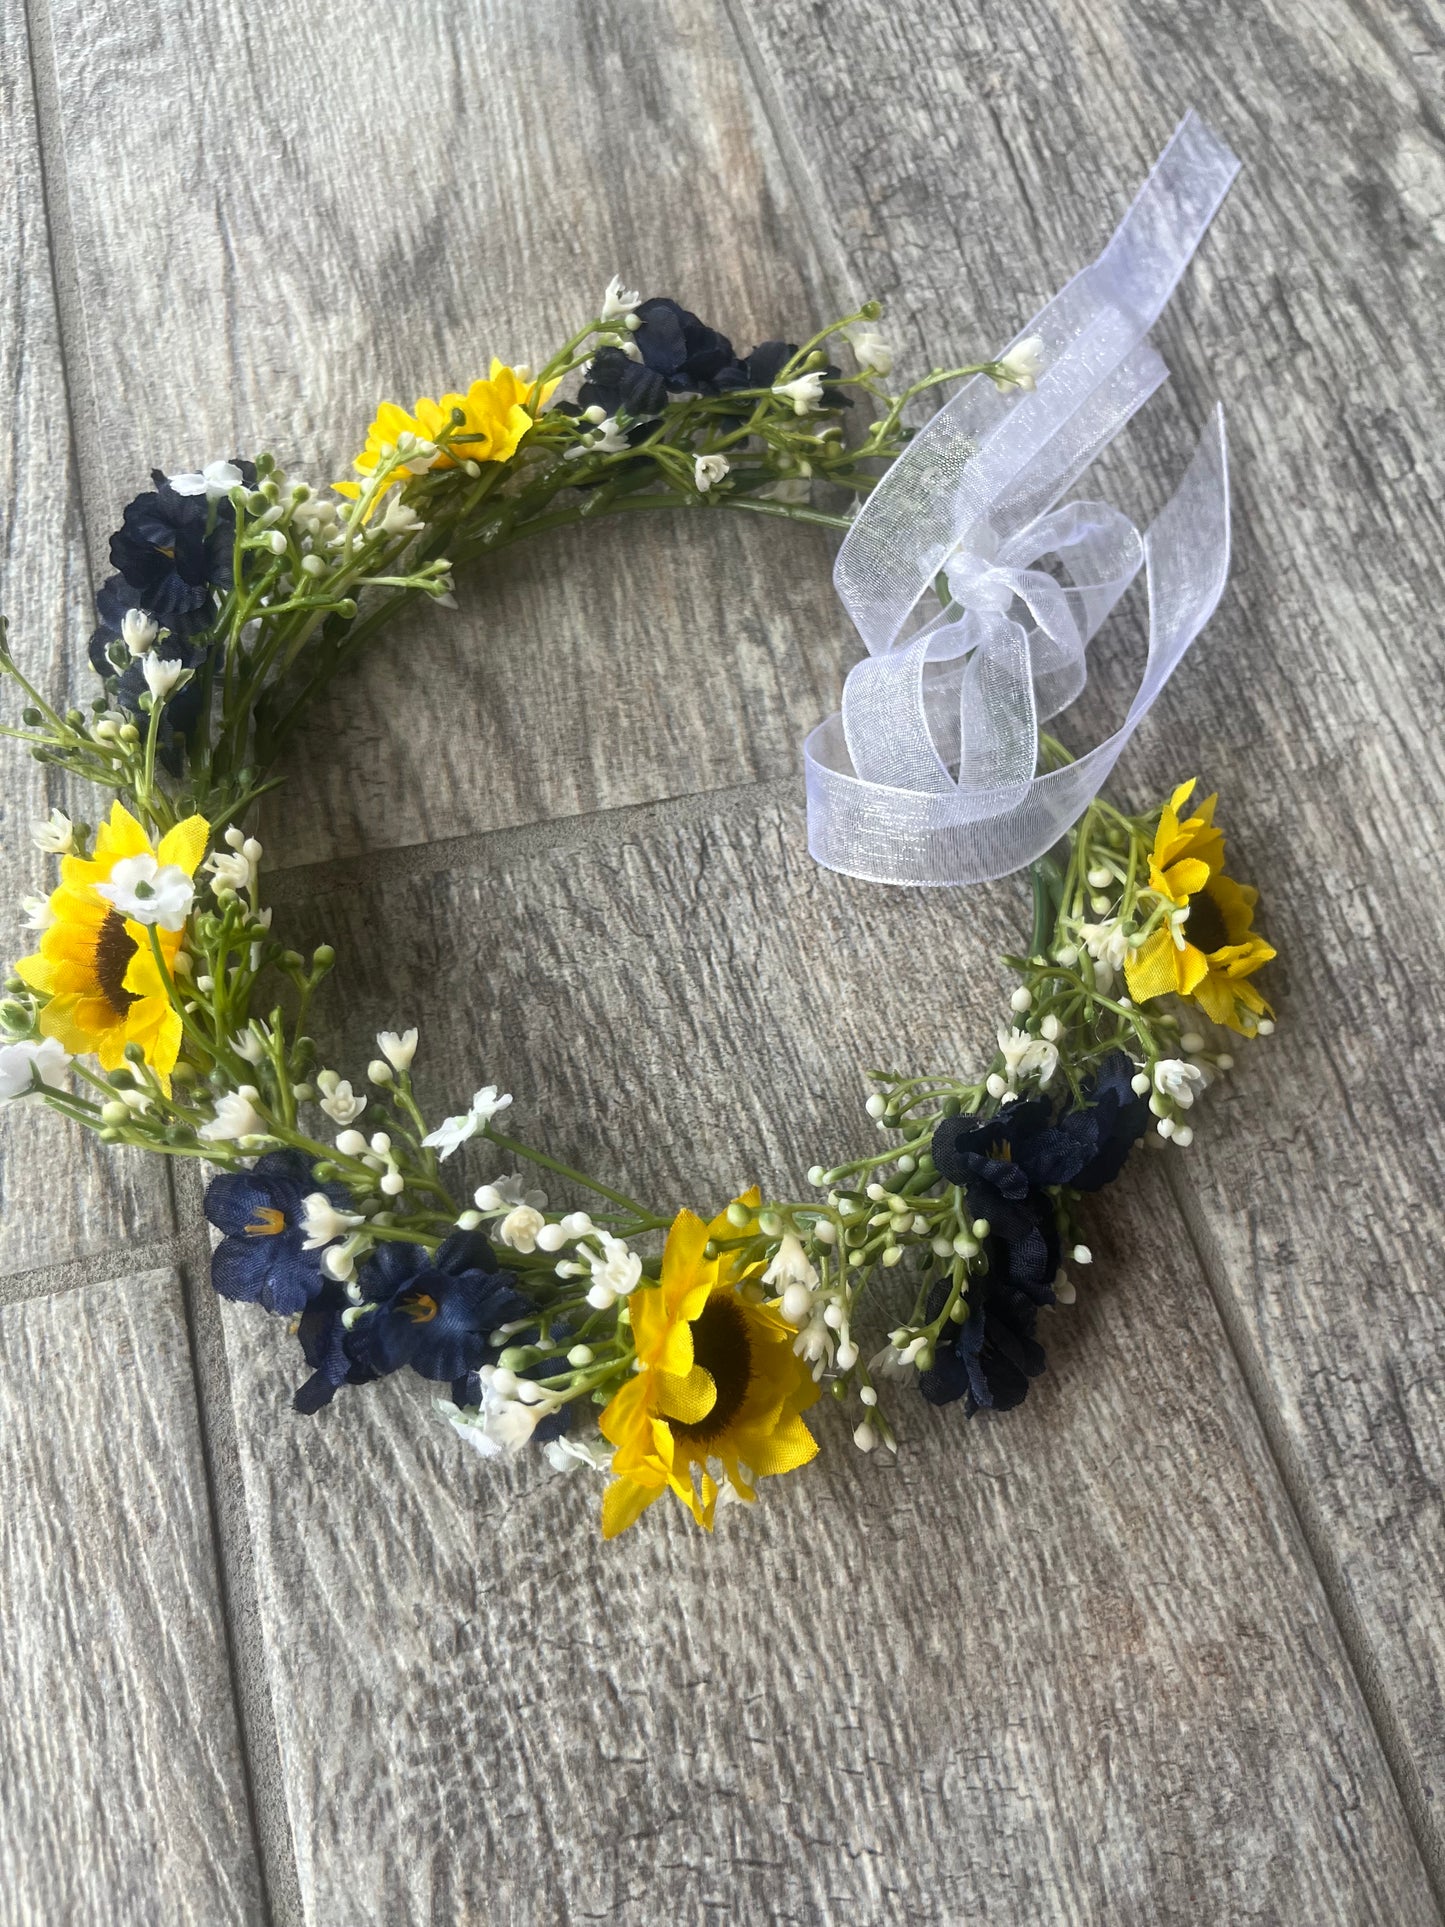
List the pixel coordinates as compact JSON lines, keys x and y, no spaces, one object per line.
{"x":1167,"y":1645}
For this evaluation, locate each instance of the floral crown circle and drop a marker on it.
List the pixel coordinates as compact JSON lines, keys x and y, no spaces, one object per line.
{"x":670,"y":1351}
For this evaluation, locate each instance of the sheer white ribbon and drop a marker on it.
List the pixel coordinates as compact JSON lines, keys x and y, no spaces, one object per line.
{"x":929,"y":773}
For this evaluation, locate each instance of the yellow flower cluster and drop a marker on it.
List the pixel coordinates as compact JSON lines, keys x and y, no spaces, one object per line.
{"x":496,"y":414}
{"x":1205,"y":950}
{"x":97,"y":968}
{"x":717,"y":1382}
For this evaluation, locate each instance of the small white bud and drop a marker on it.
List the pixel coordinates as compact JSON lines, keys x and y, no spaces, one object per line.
{"x":1183,"y":1135}
{"x":797,"y":1302}
{"x":877,"y":1104}
{"x":1100,"y":878}
{"x":996,"y":1085}
{"x":1139,"y":1083}
{"x":1192,"y":1042}
{"x":469,"y":1220}
{"x":1082,"y":1255}
{"x":351,"y":1144}
{"x":865,"y":1438}
{"x":1022,"y":999}
{"x":393,"y":1183}
{"x":379,"y":1071}
{"x":138,"y":630}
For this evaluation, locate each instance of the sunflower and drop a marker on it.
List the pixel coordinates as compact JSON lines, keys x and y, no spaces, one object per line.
{"x":718,"y":1379}
{"x":1206,"y":948}
{"x":495,"y":418}
{"x":96,"y":966}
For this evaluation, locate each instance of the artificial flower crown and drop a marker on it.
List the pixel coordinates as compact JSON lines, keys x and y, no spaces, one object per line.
{"x":670,"y":1351}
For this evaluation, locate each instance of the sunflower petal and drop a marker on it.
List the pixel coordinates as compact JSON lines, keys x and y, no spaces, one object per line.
{"x":185,"y":845}
{"x":1150,"y":970}
{"x":688,"y":1399}
{"x":623,"y":1504}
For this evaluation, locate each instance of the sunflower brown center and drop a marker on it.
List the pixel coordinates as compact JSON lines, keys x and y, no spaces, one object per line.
{"x":720,"y":1345}
{"x":114,"y":948}
{"x":1205,"y":928}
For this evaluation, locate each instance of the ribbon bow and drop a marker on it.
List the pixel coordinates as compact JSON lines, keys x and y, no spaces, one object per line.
{"x":929,"y":774}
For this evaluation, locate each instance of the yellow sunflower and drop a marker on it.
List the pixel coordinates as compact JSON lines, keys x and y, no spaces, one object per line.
{"x":496,"y":418}
{"x":1207,"y":952}
{"x":718,"y":1380}
{"x":96,"y":966}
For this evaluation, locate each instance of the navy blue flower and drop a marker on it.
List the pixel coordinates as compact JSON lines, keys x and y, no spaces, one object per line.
{"x":1120,"y":1118}
{"x":1003,"y":1162}
{"x":332,"y":1352}
{"x":680,"y":355}
{"x":436,"y":1311}
{"x":675,"y":344}
{"x":616,"y":382}
{"x":259,"y":1259}
{"x":990,"y":1358}
{"x":172,"y":553}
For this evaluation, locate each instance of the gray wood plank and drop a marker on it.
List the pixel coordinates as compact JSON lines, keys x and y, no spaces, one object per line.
{"x":374,"y":246}
{"x":45,"y":592}
{"x":972,"y":157}
{"x":1069,"y":1667}
{"x":121,"y":1782}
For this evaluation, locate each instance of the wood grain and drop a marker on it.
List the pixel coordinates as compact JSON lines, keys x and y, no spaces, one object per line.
{"x":45,"y":592}
{"x":447,"y":185}
{"x":970,"y":159}
{"x":121,"y":1783}
{"x":1069,"y":1667}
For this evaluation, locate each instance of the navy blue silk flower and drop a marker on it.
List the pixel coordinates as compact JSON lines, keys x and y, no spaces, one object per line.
{"x":1120,"y":1118}
{"x":435,"y":1311}
{"x":260,"y":1258}
{"x":679,"y":353}
{"x":1002,"y":1162}
{"x":675,"y":344}
{"x":173,"y":552}
{"x":990,"y":1358}
{"x":329,"y":1349}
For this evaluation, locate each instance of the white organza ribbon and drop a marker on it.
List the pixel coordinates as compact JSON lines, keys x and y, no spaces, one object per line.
{"x":929,"y":774}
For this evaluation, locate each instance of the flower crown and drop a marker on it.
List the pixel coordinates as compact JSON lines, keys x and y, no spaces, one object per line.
{"x":668,"y":1350}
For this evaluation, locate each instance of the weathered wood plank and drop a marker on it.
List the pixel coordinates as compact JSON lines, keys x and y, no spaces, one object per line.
{"x":45,"y":592}
{"x":121,"y":1785}
{"x":452,"y":183}
{"x":974,"y":158}
{"x":1068,"y":1667}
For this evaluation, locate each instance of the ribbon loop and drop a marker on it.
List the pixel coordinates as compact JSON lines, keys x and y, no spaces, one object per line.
{"x":929,"y":774}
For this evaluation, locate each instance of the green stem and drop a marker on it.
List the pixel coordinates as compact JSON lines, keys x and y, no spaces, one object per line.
{"x":650,"y":1219}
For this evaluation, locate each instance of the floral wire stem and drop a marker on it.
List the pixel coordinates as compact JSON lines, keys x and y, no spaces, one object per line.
{"x":155,"y":957}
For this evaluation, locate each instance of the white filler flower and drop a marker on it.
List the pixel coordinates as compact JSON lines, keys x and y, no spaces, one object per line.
{"x":149,"y":891}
